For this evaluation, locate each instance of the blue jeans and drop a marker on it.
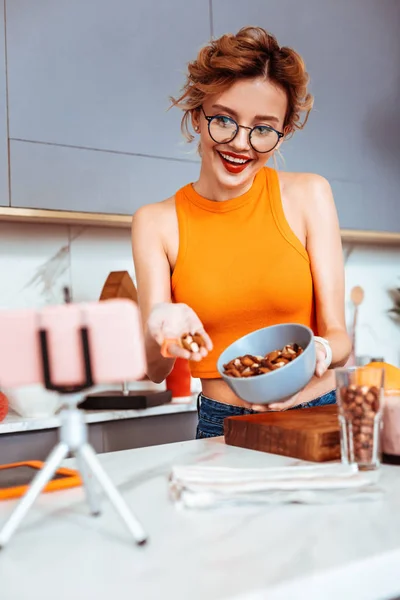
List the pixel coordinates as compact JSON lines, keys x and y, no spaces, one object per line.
{"x":212,"y":413}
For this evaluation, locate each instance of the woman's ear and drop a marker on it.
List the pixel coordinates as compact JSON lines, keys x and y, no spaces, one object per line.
{"x":287,"y":133}
{"x":195,"y":118}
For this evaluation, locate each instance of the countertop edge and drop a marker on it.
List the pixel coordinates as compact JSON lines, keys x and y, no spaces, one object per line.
{"x":14,"y":423}
{"x":107,"y":220}
{"x":368,"y":578}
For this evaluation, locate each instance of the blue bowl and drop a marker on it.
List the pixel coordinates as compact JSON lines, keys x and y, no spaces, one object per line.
{"x":282,"y":383}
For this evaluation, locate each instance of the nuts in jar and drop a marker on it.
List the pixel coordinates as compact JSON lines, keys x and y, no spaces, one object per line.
{"x":359,"y":406}
{"x":250,"y":366}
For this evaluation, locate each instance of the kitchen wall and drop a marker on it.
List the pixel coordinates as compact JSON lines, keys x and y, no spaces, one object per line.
{"x":37,"y":261}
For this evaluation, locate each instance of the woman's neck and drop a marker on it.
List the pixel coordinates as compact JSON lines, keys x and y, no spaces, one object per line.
{"x":211,"y":189}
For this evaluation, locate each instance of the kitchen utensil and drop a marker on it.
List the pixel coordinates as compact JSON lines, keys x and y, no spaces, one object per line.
{"x":357,"y":297}
{"x":281,"y":383}
{"x":308,"y":433}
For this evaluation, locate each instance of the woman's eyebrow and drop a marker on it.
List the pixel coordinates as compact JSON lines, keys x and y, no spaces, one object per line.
{"x":234,"y":113}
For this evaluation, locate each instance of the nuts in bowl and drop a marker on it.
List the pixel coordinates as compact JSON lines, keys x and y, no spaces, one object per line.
{"x":278,"y":376}
{"x":250,"y":366}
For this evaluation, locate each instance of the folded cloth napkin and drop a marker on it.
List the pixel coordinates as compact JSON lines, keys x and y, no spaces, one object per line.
{"x":201,"y":487}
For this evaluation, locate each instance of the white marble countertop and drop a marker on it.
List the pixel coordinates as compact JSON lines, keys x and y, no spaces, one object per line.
{"x":331,"y":552}
{"x":14,"y":423}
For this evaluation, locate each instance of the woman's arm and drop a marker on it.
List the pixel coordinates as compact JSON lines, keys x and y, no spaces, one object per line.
{"x":161,"y":318}
{"x":324,"y":248}
{"x":153,"y":281}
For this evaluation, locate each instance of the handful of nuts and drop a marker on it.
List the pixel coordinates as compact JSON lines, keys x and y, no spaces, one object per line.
{"x":189,"y":341}
{"x":192,"y":342}
{"x":359,"y":406}
{"x":250,"y":366}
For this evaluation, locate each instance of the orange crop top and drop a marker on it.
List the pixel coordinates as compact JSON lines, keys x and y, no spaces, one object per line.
{"x":240,"y":267}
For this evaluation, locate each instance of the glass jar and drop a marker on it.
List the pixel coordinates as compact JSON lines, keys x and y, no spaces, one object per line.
{"x":359,"y":394}
{"x":391,"y":427}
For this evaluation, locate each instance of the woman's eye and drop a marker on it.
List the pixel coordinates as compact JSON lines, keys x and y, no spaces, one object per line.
{"x":263,"y":130}
{"x":224,"y":121}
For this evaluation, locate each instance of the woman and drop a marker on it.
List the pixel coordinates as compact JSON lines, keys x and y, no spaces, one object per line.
{"x":245,"y":246}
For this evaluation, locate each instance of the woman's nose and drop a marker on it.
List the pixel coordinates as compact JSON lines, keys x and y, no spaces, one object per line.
{"x":241,"y":140}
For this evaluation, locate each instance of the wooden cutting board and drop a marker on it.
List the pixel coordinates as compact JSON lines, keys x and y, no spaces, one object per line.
{"x":119,"y":284}
{"x":308,"y":433}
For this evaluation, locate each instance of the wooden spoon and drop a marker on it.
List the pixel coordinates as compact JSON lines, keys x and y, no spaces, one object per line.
{"x":357,"y":297}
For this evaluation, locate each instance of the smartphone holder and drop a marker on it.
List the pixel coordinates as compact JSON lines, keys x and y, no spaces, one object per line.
{"x":74,"y":441}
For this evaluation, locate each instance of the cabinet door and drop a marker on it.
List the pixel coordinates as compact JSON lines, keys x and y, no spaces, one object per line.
{"x":4,"y":188}
{"x":57,"y":177}
{"x":98,"y":73}
{"x":352,"y":51}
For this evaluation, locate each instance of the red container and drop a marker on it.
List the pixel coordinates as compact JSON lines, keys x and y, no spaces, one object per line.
{"x":179,"y":380}
{"x":3,"y":406}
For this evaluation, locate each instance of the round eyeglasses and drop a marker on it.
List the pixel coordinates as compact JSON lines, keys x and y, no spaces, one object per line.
{"x":223,"y":129}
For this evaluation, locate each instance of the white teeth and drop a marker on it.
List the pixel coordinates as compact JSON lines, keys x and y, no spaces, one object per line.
{"x":229,"y":158}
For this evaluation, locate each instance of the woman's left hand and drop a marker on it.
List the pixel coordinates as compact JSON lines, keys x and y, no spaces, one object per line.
{"x":320,"y":369}
{"x":320,"y":366}
{"x":278,"y":406}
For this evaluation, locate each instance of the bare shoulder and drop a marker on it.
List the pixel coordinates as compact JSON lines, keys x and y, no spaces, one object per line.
{"x":311,"y":193}
{"x":304,"y":184}
{"x":150,"y":215}
{"x":155,"y":226}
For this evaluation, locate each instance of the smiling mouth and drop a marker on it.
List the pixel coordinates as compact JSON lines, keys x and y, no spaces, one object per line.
{"x":235,"y":159}
{"x":234,"y":163}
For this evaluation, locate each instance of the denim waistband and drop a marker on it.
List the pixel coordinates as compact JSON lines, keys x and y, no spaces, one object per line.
{"x":212,"y":413}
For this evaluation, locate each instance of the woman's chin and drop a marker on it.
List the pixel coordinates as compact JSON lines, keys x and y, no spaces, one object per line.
{"x":233,"y":181}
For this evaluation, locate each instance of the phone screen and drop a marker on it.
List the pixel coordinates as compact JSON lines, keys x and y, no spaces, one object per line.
{"x":22,"y":475}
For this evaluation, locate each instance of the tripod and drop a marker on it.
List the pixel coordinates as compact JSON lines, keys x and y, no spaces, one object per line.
{"x":73,"y":439}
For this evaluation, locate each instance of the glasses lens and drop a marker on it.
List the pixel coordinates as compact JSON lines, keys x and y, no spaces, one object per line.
{"x":222,"y":129}
{"x":263,"y":138}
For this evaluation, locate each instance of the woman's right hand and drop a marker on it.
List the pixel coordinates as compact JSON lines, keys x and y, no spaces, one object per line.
{"x":169,"y":321}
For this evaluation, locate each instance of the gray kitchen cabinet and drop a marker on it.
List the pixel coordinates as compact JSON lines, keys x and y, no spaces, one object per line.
{"x":352,"y":52}
{"x":37,"y":445}
{"x":56,"y":177}
{"x":4,"y":194}
{"x":98,"y":73}
{"x":107,"y":436}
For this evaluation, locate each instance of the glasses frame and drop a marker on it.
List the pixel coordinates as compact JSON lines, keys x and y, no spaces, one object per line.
{"x":250,"y":129}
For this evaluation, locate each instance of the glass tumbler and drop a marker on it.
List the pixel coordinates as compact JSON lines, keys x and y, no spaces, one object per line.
{"x":359,"y":396}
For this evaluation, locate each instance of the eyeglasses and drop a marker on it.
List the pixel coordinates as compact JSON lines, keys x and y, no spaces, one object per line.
{"x":223,"y":129}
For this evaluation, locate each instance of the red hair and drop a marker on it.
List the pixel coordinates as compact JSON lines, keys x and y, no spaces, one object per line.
{"x":252,"y":52}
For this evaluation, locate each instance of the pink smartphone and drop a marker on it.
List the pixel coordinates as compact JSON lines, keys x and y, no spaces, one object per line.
{"x":113,"y":334}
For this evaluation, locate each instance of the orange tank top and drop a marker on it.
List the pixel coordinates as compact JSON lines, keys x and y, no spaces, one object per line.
{"x":240,"y":266}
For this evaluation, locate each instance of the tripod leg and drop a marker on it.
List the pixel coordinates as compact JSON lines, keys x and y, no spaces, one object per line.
{"x":89,"y":484}
{"x":39,"y":482}
{"x":114,"y":496}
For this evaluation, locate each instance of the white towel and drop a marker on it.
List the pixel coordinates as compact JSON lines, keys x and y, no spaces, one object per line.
{"x":199,"y":487}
